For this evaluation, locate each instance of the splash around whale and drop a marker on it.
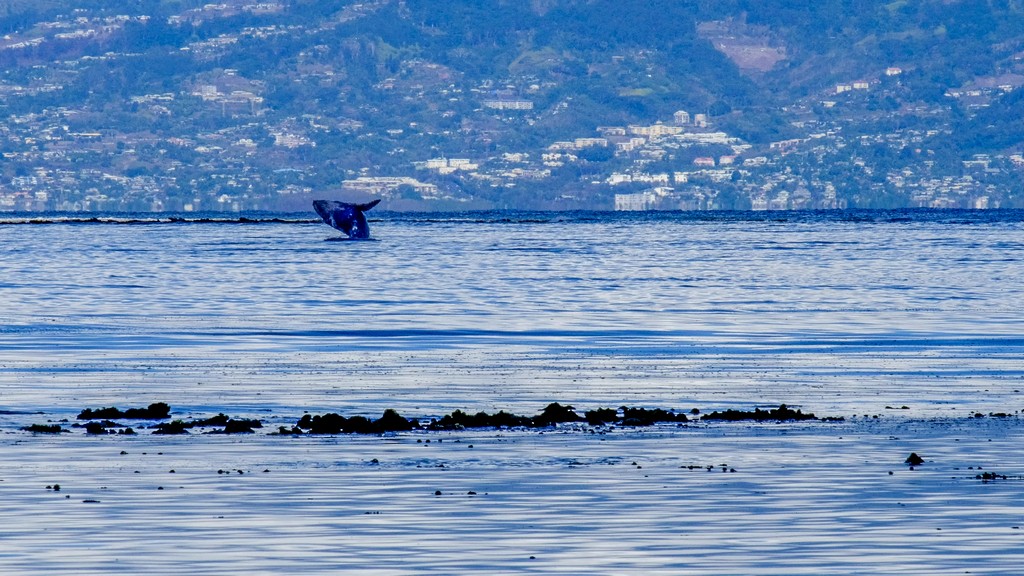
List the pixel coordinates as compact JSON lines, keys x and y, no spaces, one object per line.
{"x":346,"y":217}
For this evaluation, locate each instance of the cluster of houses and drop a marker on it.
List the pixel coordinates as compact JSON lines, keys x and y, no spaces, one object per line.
{"x":636,"y":178}
{"x":682,"y":162}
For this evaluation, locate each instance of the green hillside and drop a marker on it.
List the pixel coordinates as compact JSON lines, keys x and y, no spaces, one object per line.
{"x":371,"y":88}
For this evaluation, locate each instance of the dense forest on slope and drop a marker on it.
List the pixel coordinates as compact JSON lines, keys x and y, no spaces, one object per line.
{"x":661,"y":62}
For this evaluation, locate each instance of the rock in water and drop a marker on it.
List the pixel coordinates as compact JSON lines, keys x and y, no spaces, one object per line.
{"x":914,"y":459}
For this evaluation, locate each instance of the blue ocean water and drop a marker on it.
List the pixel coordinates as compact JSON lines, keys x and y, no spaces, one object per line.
{"x":907,"y":324}
{"x":836,"y":312}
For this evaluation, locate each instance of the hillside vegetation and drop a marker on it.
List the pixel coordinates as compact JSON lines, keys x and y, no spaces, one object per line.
{"x":294,"y":96}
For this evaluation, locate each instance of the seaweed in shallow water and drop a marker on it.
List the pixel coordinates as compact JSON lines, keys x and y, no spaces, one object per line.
{"x":782,"y":414}
{"x":155,"y":411}
{"x":44,"y":428}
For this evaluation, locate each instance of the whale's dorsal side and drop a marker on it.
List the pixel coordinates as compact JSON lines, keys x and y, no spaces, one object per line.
{"x":346,"y":217}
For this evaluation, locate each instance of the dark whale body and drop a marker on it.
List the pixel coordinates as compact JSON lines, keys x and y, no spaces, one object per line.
{"x":346,"y":217}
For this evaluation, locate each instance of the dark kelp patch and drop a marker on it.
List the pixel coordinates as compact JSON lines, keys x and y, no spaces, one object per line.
{"x":97,"y":427}
{"x":239,"y":426}
{"x":552,"y":415}
{"x":101,"y":420}
{"x":226,"y":424}
{"x":645,"y":417}
{"x":987,"y":477}
{"x":171,"y":428}
{"x":781,"y":414}
{"x":331,"y":423}
{"x":44,"y":428}
{"x":155,"y":411}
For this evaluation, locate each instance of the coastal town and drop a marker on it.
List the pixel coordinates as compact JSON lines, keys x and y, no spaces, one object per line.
{"x":216,"y":139}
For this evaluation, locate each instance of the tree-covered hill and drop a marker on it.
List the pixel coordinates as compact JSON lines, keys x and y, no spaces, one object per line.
{"x":334,"y":89}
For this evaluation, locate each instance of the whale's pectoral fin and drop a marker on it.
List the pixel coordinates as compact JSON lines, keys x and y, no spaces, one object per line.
{"x":368,"y":205}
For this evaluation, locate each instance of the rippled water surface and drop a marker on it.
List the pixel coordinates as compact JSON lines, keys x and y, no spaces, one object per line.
{"x":843,"y":315}
{"x":512,"y":310}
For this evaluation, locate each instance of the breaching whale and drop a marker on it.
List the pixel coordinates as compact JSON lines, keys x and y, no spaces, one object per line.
{"x":346,"y":217}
